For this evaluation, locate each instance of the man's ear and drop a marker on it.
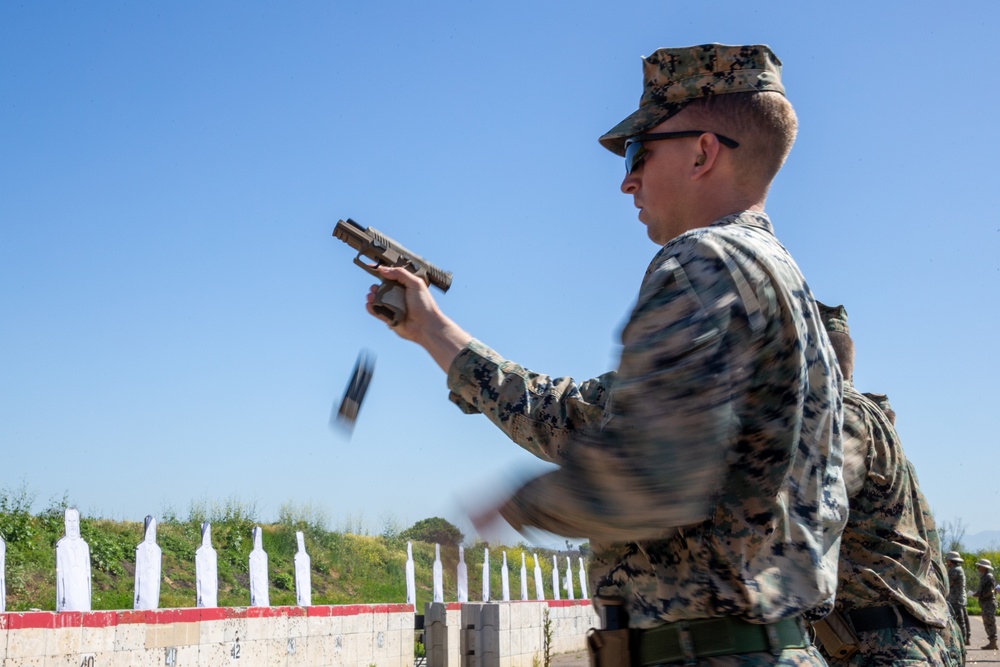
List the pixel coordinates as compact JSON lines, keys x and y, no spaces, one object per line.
{"x":707,"y":152}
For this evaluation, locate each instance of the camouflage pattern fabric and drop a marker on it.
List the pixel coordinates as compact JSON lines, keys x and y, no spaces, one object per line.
{"x":956,"y":584}
{"x":954,"y":641}
{"x":802,"y":657}
{"x":899,"y":646}
{"x":939,"y":568}
{"x":707,"y":470}
{"x":957,"y":600}
{"x":890,"y":551}
{"x":673,"y":77}
{"x":986,"y":593}
{"x":882,"y":401}
{"x":989,"y":611}
{"x":954,"y":632}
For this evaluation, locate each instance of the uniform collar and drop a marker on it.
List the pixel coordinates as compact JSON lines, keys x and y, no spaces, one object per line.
{"x":757,"y":219}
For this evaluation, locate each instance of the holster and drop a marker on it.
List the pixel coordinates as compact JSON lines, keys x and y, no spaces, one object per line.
{"x":609,"y":648}
{"x":836,"y":636}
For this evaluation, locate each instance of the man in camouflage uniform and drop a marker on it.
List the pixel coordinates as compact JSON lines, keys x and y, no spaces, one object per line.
{"x":952,"y":633}
{"x":891,"y":584}
{"x":706,"y":469}
{"x":956,"y":593}
{"x":987,"y":595}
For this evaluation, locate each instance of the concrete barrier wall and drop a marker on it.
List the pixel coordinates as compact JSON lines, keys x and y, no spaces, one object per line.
{"x":443,"y":633}
{"x":341,"y":635}
{"x":504,"y":634}
{"x":571,"y":620}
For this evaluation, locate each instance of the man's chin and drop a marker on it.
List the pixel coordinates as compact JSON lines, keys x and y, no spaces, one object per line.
{"x":650,"y":231}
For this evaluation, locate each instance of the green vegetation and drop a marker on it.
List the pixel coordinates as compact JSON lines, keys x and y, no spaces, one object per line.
{"x":436,"y":531}
{"x":546,"y":639}
{"x":346,"y":567}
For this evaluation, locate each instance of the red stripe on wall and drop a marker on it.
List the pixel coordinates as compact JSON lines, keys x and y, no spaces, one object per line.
{"x":104,"y":619}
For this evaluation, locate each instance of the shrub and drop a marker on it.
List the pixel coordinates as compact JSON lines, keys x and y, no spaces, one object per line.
{"x":434,"y":531}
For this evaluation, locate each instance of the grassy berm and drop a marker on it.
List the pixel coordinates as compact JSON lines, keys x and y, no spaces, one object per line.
{"x":347,"y":568}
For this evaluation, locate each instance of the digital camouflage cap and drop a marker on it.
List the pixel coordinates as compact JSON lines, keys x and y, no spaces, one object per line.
{"x":834,"y":318}
{"x":671,"y":78}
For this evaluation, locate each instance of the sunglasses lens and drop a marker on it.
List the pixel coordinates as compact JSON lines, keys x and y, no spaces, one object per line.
{"x":634,"y":152}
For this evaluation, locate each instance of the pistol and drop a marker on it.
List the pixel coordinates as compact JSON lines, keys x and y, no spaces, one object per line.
{"x":390,"y":301}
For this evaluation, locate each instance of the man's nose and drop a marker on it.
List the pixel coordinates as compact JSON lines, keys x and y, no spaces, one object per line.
{"x":630,"y":184}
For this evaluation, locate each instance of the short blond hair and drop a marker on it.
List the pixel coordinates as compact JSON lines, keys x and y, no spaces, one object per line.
{"x":764,"y":124}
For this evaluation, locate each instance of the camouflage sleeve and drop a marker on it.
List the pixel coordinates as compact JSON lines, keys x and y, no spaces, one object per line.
{"x":956,"y":585}
{"x":985,"y":589}
{"x":932,"y":535}
{"x":660,"y":459}
{"x":857,"y":437}
{"x":536,"y":411}
{"x":871,"y":451}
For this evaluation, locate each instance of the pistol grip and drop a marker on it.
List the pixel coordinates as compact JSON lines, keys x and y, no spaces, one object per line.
{"x":390,"y":302}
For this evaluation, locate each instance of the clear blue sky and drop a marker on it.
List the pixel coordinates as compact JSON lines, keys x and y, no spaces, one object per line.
{"x":176,"y":319}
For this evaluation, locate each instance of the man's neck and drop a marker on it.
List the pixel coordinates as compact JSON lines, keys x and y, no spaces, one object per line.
{"x":716,"y":209}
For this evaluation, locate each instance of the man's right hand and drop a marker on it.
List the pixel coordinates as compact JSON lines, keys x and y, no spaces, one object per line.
{"x":424,"y":323}
{"x":420,"y":305}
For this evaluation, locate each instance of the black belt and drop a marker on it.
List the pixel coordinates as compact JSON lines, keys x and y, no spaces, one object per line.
{"x":710,"y":637}
{"x":880,"y":618}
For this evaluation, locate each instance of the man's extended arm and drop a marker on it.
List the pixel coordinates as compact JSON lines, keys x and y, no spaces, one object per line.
{"x":537,"y":412}
{"x":660,"y":459}
{"x":541,"y":413}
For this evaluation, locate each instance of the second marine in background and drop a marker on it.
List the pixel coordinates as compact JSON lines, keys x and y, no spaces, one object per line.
{"x":890,"y":605}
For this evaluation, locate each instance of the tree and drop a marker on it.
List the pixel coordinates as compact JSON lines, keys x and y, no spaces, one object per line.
{"x":952,"y":533}
{"x":434,"y":531}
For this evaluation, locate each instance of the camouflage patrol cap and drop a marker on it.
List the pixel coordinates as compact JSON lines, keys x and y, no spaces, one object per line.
{"x":953,"y":556}
{"x":834,"y":318}
{"x":881,"y":400}
{"x":673,"y":77}
{"x":985,"y":563}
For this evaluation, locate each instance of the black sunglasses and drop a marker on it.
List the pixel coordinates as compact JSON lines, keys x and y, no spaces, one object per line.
{"x":634,"y":152}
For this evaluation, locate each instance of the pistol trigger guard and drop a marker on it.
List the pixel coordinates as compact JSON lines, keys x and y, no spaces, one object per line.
{"x":370,"y":268}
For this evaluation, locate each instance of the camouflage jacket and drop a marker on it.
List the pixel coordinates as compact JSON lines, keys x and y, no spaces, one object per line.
{"x":939,"y":576}
{"x":707,"y":469}
{"x":889,"y":551}
{"x":956,"y":583}
{"x":986,"y":593}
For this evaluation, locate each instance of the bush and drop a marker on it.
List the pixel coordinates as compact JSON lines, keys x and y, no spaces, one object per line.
{"x":16,"y":521}
{"x":434,"y":531}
